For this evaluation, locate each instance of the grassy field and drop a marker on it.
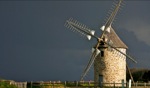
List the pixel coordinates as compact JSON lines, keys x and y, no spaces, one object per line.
{"x":6,"y":85}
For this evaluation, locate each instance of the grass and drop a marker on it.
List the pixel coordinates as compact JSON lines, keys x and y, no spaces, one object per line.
{"x":6,"y":85}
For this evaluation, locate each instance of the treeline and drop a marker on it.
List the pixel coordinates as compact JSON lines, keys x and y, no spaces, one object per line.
{"x":142,"y":75}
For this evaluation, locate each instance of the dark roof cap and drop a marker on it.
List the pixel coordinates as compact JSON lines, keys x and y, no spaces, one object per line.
{"x":117,"y":42}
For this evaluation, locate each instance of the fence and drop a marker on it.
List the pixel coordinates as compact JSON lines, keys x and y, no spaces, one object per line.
{"x":144,"y":85}
{"x":19,"y":84}
{"x":87,"y":84}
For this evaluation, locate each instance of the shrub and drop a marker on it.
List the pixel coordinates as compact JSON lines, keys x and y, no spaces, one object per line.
{"x":6,"y":85}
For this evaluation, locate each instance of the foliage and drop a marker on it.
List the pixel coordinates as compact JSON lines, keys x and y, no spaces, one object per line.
{"x":6,"y":85}
{"x":142,"y":75}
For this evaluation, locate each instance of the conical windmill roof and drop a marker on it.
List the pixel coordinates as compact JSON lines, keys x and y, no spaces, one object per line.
{"x":116,"y":41}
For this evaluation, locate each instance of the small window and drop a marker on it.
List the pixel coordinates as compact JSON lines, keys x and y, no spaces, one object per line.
{"x":102,"y":53}
{"x":102,"y":43}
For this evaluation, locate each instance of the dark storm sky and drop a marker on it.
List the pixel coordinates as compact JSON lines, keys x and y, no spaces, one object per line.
{"x":35,"y":45}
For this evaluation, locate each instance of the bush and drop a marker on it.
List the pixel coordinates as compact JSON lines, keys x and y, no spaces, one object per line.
{"x":6,"y":85}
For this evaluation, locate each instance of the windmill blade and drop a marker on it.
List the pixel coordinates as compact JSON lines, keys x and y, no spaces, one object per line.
{"x":130,"y":74}
{"x":129,"y":57}
{"x":80,"y":28}
{"x":90,"y":63}
{"x":110,"y":20}
{"x":113,"y":14}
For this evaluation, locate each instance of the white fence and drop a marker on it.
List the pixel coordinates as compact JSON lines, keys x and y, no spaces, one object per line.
{"x":19,"y":84}
{"x":142,"y":84}
{"x":85,"y":84}
{"x":69,"y":84}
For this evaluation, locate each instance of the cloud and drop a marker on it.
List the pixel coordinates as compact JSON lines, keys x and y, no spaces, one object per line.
{"x":140,"y":28}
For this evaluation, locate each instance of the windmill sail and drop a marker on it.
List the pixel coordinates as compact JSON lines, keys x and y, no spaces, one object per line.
{"x":111,"y":18}
{"x":90,"y":63}
{"x":129,"y":57}
{"x":80,"y":28}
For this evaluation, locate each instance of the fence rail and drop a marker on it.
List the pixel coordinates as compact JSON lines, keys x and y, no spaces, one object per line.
{"x":87,"y":84}
{"x":141,"y":84}
{"x":19,"y":84}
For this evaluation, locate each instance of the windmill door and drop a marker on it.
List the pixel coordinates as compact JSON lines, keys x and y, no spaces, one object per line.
{"x":100,"y":80}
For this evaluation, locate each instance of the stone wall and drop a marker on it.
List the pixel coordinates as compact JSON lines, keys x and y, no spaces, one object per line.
{"x":111,"y":66}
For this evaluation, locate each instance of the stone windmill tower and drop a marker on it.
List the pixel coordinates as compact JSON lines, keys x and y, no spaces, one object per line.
{"x":110,"y":65}
{"x":109,"y":53}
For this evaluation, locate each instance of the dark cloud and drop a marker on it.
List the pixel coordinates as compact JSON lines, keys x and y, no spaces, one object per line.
{"x":35,"y":45}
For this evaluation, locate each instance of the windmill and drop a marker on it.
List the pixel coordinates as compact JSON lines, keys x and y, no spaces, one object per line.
{"x":109,"y":53}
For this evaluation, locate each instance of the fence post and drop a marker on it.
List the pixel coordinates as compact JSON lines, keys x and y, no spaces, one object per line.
{"x":114,"y":85}
{"x":65,"y":84}
{"x":25,"y":85}
{"x":31,"y":84}
{"x":123,"y":83}
{"x":76,"y":83}
{"x":53,"y":84}
{"x":99,"y":84}
{"x":89,"y":83}
{"x":43,"y":85}
{"x":144,"y":84}
{"x":136,"y":84}
{"x":129,"y":83}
